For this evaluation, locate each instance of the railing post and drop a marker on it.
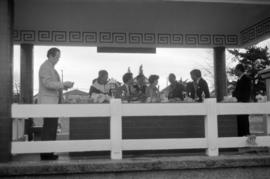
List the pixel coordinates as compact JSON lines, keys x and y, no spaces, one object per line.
{"x":116,"y":128}
{"x":211,"y":127}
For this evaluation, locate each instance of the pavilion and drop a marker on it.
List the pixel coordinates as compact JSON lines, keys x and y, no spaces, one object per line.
{"x":121,"y":24}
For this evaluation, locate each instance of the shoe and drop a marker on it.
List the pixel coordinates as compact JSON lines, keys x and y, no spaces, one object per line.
{"x":48,"y":156}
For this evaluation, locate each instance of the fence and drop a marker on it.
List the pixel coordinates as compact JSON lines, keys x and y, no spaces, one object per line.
{"x":115,"y":110}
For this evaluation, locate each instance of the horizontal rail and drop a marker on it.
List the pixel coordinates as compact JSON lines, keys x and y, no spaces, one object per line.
{"x":132,"y":144}
{"x":152,"y":109}
{"x":60,"y":110}
{"x":116,"y":110}
{"x":103,"y":110}
{"x":164,"y":144}
{"x":60,"y":146}
{"x":163,"y":109}
{"x":237,"y":142}
{"x":243,"y":108}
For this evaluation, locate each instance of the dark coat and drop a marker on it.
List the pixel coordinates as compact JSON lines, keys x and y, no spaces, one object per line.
{"x":176,"y":91}
{"x":140,"y":89}
{"x":202,"y":87}
{"x":242,"y":90}
{"x":242,"y":93}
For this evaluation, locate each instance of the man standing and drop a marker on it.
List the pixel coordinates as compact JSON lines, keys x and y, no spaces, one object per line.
{"x":242,"y":93}
{"x":50,"y":92}
{"x":198,"y":89}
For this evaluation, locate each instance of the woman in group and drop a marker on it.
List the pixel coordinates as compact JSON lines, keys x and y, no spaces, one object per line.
{"x":152,"y":91}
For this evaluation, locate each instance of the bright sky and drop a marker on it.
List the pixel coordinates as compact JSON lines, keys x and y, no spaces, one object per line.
{"x":81,"y":64}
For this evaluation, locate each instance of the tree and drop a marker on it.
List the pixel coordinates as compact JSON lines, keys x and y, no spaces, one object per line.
{"x":16,"y":93}
{"x":254,"y":59}
{"x":207,"y":68}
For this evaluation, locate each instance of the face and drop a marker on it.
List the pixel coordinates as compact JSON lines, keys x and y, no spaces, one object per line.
{"x":237,"y":72}
{"x":171,"y":79}
{"x":155,"y":83}
{"x":55,"y":59}
{"x":193,"y":77}
{"x":104,"y":78}
{"x":140,"y":80}
{"x":130,"y":81}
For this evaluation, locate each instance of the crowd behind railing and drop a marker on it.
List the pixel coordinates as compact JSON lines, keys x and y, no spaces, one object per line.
{"x":141,"y":89}
{"x":138,"y":89}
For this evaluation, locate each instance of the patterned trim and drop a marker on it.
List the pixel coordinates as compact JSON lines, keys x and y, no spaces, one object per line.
{"x":27,"y":35}
{"x":89,"y":37}
{"x":255,"y":31}
{"x":135,"y":38}
{"x":205,"y":39}
{"x":45,"y":36}
{"x":219,"y":39}
{"x":191,"y":39}
{"x":125,"y":38}
{"x":75,"y":36}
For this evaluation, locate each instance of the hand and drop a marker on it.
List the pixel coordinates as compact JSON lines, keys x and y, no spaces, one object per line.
{"x":68,"y":84}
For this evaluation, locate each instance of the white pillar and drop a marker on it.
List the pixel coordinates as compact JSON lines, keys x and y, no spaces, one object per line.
{"x":211,"y":127}
{"x":116,"y":128}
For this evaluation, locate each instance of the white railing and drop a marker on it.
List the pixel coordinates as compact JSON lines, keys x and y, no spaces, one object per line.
{"x":115,"y":110}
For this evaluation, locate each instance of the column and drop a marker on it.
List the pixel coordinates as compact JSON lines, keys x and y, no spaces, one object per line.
{"x":6,"y":80}
{"x":26,"y":83}
{"x":220,"y":73}
{"x":26,"y":73}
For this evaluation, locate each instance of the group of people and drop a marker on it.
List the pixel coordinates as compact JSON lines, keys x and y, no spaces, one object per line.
{"x":142,"y":89}
{"x":133,"y":89}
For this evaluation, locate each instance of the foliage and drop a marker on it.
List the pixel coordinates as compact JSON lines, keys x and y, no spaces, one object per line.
{"x":254,"y":59}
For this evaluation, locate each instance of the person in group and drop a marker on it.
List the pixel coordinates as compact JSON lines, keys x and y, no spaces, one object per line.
{"x":50,"y":92}
{"x":126,"y":91}
{"x":242,"y":93}
{"x":100,"y":88}
{"x":140,"y":87}
{"x":175,"y":89}
{"x":152,"y":91}
{"x":198,"y":89}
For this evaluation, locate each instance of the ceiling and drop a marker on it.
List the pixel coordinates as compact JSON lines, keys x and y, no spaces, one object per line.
{"x":223,"y":17}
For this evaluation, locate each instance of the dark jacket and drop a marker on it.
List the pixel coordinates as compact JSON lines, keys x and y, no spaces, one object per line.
{"x":176,"y":91}
{"x":202,"y":87}
{"x":140,"y":89}
{"x":242,"y":90}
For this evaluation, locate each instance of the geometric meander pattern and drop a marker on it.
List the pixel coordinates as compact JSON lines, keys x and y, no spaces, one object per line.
{"x":255,"y":31}
{"x":132,"y":38}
